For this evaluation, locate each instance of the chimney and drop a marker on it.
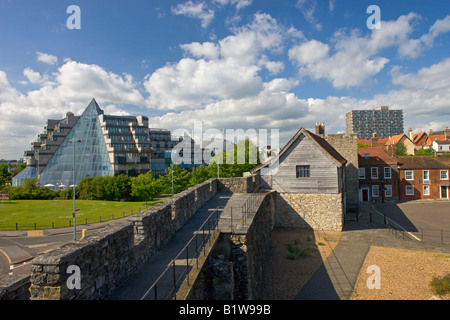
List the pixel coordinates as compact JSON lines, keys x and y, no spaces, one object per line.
{"x":431,"y":132}
{"x":446,"y":133}
{"x":410,"y":134}
{"x":320,"y":129}
{"x":374,"y":140}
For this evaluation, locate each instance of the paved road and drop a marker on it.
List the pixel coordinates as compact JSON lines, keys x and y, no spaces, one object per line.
{"x":18,"y":248}
{"x":423,"y":218}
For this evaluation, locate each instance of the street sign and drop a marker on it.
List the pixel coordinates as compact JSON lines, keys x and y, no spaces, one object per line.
{"x":4,"y":196}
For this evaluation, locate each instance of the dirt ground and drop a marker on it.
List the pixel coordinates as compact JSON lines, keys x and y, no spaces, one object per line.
{"x":404,"y":274}
{"x":286,"y":277}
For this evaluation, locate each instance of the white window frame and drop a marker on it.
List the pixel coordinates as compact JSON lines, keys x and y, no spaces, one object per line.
{"x":363,"y":171}
{"x":371,"y":173}
{"x":426,"y":180}
{"x":412,"y":175}
{"x":446,"y":174}
{"x":426,"y":187}
{"x":390,"y":173}
{"x":375,"y":191}
{"x":409,"y":188}
{"x":388,"y":191}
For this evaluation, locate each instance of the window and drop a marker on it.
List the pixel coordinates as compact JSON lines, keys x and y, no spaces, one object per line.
{"x":387,"y":172}
{"x":374,"y":173}
{"x":361,"y":173}
{"x":426,"y":190}
{"x":388,"y":191}
{"x":409,"y":190}
{"x":444,"y":175}
{"x":426,"y":176}
{"x":303,"y":171}
{"x":375,"y":191}
{"x":409,"y":175}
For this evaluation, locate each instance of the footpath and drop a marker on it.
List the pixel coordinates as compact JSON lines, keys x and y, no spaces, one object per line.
{"x":336,"y":277}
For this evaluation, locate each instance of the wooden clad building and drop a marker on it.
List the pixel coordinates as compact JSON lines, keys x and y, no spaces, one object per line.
{"x":308,"y":175}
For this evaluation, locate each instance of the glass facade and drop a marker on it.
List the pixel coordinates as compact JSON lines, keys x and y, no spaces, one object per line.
{"x":27,"y":173}
{"x":85,"y":147}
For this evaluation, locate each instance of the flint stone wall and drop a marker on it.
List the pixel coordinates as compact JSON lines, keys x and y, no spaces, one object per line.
{"x":316,"y":211}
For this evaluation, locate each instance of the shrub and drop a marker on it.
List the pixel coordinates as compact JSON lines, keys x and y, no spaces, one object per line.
{"x":295,"y":251}
{"x":441,"y":285}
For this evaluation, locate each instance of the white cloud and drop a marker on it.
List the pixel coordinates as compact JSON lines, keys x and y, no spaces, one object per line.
{"x":308,"y":9}
{"x":414,"y":47}
{"x":228,"y":69}
{"x":46,"y":58}
{"x":238,"y":3}
{"x":355,"y":59}
{"x":195,"y":10}
{"x":23,"y":115}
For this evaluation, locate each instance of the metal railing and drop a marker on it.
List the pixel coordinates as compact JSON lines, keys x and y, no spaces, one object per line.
{"x":172,"y":277}
{"x":248,"y":207}
{"x":422,"y":234}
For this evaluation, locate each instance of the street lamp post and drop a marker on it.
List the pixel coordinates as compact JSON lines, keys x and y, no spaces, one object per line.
{"x":73,"y":185}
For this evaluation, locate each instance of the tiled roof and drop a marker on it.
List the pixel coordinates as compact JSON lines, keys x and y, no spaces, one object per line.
{"x":433,"y":137}
{"x":395,"y":139}
{"x":421,"y":162}
{"x":376,"y":156}
{"x":327,"y":147}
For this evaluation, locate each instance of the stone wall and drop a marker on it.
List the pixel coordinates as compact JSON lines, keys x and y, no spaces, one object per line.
{"x":238,"y":185}
{"x":317,"y":211}
{"x":108,"y":256}
{"x":13,"y":287}
{"x":239,"y":260}
{"x":347,"y":146}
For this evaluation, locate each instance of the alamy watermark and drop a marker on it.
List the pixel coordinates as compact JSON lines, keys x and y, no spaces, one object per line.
{"x":374,"y":21}
{"x":374,"y":280}
{"x":74,"y":20}
{"x":74,"y":280}
{"x":190,"y":150}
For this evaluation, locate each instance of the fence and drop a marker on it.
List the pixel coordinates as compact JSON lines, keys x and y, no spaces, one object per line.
{"x":170,"y":280}
{"x":248,"y":207}
{"x":422,"y":234}
{"x":65,"y":223}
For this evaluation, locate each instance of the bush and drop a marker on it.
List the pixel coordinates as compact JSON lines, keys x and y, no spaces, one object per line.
{"x":441,"y":285}
{"x":295,"y":251}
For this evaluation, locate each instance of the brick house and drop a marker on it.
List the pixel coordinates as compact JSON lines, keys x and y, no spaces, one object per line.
{"x":377,"y":175}
{"x":423,"y":177}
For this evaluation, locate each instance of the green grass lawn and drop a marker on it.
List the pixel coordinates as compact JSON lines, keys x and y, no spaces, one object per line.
{"x":58,"y":213}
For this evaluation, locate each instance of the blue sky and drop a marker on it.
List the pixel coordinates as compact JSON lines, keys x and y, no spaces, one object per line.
{"x":260,"y":64}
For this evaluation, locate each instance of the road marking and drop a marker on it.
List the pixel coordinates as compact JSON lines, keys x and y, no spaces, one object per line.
{"x":418,"y":239}
{"x":37,"y":245}
{"x":35,"y":233}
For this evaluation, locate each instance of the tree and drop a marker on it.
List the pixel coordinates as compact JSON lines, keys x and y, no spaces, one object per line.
{"x":425,"y":152}
{"x":242,"y":158}
{"x":203,"y":173}
{"x":363,"y":145}
{"x":400,"y":149}
{"x":181,"y":179}
{"x":145,"y":187}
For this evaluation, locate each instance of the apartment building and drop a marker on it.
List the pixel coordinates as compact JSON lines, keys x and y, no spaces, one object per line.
{"x":93,"y":144}
{"x":382,"y":121}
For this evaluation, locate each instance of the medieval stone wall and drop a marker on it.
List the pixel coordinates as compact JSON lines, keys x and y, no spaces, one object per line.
{"x":316,"y":211}
{"x":109,"y":255}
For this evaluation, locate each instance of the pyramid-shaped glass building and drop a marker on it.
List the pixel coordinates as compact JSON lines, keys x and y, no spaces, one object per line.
{"x":90,"y":145}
